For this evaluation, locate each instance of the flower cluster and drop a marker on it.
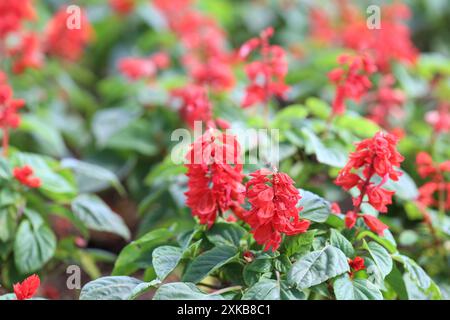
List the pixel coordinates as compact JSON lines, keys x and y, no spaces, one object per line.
{"x":440,"y":118}
{"x":143,"y":68}
{"x":274,"y":209}
{"x":373,"y":157}
{"x":215,"y":176}
{"x":193,"y":104}
{"x":351,"y":79}
{"x":13,"y":13}
{"x":27,"y":53}
{"x":25,"y":176}
{"x":206,"y":59}
{"x":267,"y":76}
{"x":438,"y":186}
{"x":9,"y":107}
{"x":64,"y":42}
{"x":386,"y":101}
{"x":27,"y":289}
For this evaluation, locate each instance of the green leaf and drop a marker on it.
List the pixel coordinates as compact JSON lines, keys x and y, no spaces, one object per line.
{"x":360,"y":126}
{"x":182,"y":291}
{"x":315,"y":208}
{"x":387,"y":242}
{"x":341,"y":242}
{"x":381,"y":258}
{"x":265,"y":289}
{"x":299,"y":244}
{"x":416,"y":279}
{"x":208,"y":262}
{"x":98,"y":216}
{"x":332,"y":156}
{"x":7,"y":223}
{"x":5,"y":170}
{"x":225,"y":233}
{"x":115,"y":288}
{"x":138,"y":254}
{"x":165,"y":259}
{"x":317,"y":267}
{"x":355,"y":289}
{"x":92,"y":178}
{"x":34,"y":246}
{"x":396,"y":281}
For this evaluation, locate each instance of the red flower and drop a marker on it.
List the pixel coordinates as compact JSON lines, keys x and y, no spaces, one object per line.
{"x":193,"y":104}
{"x":374,"y":156}
{"x":267,"y":77}
{"x":440,"y":118}
{"x":122,"y":7}
{"x":12,"y":15}
{"x":27,"y":53}
{"x":25,"y":176}
{"x":215,"y":175}
{"x":350,"y":219}
{"x":137,"y":68}
{"x":274,"y":210}
{"x":27,"y":288}
{"x":356,"y":264}
{"x":351,"y":79}
{"x":374,"y":224}
{"x":67,"y":43}
{"x":335,"y":208}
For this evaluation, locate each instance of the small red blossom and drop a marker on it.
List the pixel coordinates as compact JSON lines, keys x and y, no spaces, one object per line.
{"x":351,"y":79}
{"x":248,"y":256}
{"x":440,"y":118}
{"x":193,"y":105}
{"x":27,"y":289}
{"x":122,"y":7}
{"x":267,"y":76}
{"x":27,"y":53}
{"x":335,"y":208}
{"x":376,"y":156}
{"x":374,"y":224}
{"x":274,"y":210}
{"x":64,"y":42}
{"x":215,"y":176}
{"x":139,"y":68}
{"x":25,"y":176}
{"x":356,"y":264}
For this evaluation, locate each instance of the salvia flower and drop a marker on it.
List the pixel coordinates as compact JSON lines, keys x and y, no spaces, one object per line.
{"x":356,"y":265}
{"x":267,"y":75}
{"x":351,"y":79}
{"x":374,"y":157}
{"x":436,"y":192}
{"x":122,"y":7}
{"x":27,"y":53}
{"x":439,"y":118}
{"x":140,"y":68}
{"x":274,"y":209}
{"x":215,"y":176}
{"x":64,"y":42}
{"x":27,"y":288}
{"x":25,"y":176}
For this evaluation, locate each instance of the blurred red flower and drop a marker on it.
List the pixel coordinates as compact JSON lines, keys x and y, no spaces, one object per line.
{"x":27,"y":288}
{"x":25,"y":176}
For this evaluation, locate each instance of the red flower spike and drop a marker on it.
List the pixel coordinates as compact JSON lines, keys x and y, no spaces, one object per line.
{"x":375,"y":224}
{"x":143,"y":68}
{"x":13,"y":14}
{"x":215,"y":176}
{"x":274,"y":210}
{"x":193,"y":105}
{"x":374,"y":156}
{"x":27,"y":288}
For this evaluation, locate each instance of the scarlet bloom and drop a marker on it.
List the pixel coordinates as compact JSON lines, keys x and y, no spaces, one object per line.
{"x":13,"y":13}
{"x":356,"y":264}
{"x":122,"y":7}
{"x":274,"y":210}
{"x":193,"y":104}
{"x":351,"y":79}
{"x":215,"y":176}
{"x":267,"y":76}
{"x":138,"y":68}
{"x":27,"y":288}
{"x":25,"y":176}
{"x":27,"y":53}
{"x":64,"y":42}
{"x":374,"y":224}
{"x":373,"y":157}
{"x":440,"y":118}
{"x":335,"y":208}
